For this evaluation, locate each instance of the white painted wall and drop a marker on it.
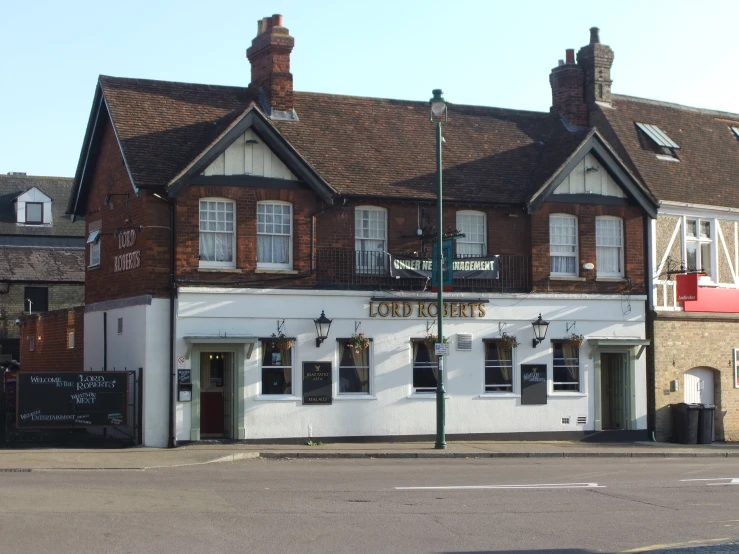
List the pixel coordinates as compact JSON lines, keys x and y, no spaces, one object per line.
{"x":248,"y":155}
{"x":590,"y":177}
{"x":393,"y":409}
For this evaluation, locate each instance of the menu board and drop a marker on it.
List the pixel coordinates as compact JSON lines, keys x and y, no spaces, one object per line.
{"x":317,"y":384}
{"x":71,"y":399}
{"x":533,"y":384}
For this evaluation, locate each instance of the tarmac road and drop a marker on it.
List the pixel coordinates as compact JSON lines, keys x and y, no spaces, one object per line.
{"x":488,"y":505}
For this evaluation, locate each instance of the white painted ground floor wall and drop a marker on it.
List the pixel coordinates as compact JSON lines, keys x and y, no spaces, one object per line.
{"x":392,"y":409}
{"x":142,"y":343}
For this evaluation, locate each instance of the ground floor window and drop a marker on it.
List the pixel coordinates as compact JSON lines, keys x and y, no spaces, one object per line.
{"x":277,"y":366}
{"x":566,"y":367}
{"x":354,"y":369}
{"x":425,"y":367}
{"x":498,"y":367}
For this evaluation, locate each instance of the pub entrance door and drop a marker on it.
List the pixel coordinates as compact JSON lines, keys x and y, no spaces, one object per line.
{"x":216,"y":395}
{"x":614,"y":390}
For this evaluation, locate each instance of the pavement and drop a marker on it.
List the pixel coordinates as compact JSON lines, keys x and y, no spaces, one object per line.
{"x":142,"y":458}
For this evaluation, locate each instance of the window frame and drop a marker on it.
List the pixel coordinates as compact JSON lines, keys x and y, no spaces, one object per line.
{"x":41,"y":221}
{"x":370,"y":372}
{"x":576,"y":255}
{"x":263,"y":344}
{"x":415,"y":390}
{"x":216,"y":264}
{"x":700,"y":241}
{"x":579,"y":383}
{"x":34,"y":309}
{"x":70,"y":340}
{"x":365,"y":268}
{"x":513,"y":388}
{"x":461,"y":240}
{"x":273,"y":265}
{"x":599,"y":272}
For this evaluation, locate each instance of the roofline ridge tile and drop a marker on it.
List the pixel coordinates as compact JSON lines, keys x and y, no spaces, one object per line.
{"x":663,"y":104}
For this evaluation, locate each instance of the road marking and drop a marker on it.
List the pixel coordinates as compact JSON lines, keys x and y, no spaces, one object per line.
{"x":534,"y":486}
{"x":731,"y":481}
{"x":675,"y":545}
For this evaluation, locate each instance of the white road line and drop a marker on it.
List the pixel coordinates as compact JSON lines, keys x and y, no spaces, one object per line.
{"x":731,"y":481}
{"x":533,"y":486}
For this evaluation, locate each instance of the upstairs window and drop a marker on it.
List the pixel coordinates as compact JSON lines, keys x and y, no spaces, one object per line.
{"x":473,"y":226}
{"x":698,"y":245}
{"x":217,"y":233}
{"x":93,"y":240}
{"x":563,"y":245}
{"x":370,"y":239}
{"x":609,"y":246}
{"x":34,"y":213}
{"x":274,"y":235}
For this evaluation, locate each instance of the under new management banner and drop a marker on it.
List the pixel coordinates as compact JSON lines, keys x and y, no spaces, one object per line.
{"x":462,"y":268}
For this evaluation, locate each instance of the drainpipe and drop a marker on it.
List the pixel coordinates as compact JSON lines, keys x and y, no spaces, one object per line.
{"x":172,"y":299}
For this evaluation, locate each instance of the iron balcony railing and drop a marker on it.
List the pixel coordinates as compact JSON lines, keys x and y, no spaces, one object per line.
{"x":353,"y":269}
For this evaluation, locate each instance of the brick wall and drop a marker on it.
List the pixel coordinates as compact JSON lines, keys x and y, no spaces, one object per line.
{"x":634,"y":222}
{"x":12,"y":303}
{"x":685,"y":341}
{"x":128,"y":212}
{"x":52,"y":348}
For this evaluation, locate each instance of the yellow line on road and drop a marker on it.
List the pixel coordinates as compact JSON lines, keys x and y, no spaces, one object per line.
{"x":674,"y":545}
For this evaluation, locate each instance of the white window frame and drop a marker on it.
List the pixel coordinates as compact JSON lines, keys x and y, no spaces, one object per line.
{"x":370,"y":378}
{"x":93,"y":240}
{"x":599,"y":272}
{"x":360,"y":242}
{"x":466,"y":239}
{"x":271,"y":265}
{"x":512,"y":389}
{"x":41,"y":221}
{"x":422,"y":390}
{"x":560,"y":383}
{"x":700,"y":241}
{"x":576,"y":256}
{"x":263,"y":345}
{"x":216,"y":264}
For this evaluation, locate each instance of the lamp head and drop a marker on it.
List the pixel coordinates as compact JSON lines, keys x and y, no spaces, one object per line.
{"x":438,"y":106}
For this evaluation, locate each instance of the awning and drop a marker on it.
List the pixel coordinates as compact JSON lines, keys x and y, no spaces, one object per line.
{"x":94,"y":236}
{"x":597,"y":343}
{"x":247,"y":341}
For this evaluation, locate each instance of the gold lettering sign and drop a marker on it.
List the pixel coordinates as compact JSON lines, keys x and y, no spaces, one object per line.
{"x":426,"y":309}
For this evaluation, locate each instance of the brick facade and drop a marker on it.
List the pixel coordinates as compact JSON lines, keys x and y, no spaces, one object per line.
{"x":686,"y":341}
{"x":58,"y":341}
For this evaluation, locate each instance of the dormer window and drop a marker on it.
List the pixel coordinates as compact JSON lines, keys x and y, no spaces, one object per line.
{"x":663,"y":146}
{"x":34,"y":213}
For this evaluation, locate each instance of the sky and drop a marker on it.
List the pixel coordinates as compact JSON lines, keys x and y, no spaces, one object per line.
{"x":482,"y":52}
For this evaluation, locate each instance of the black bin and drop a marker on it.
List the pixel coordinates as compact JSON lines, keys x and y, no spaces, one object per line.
{"x":685,"y":423}
{"x":706,"y":421}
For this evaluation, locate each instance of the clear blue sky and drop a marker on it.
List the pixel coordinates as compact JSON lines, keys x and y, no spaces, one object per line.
{"x":485,"y":52}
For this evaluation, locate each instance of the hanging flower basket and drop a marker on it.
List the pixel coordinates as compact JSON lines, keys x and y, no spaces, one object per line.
{"x":358,"y":342}
{"x":433,"y":339}
{"x":575,"y":340}
{"x":281,"y":341}
{"x":509,"y":341}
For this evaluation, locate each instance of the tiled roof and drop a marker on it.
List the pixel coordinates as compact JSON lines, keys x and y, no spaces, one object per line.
{"x":57,"y":188}
{"x":42,"y":264}
{"x":708,"y":170}
{"x":360,"y":146}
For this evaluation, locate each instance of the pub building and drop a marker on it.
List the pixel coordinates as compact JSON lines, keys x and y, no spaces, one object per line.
{"x":265,"y":256}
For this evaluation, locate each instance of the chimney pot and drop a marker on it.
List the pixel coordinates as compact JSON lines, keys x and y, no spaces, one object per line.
{"x":561,"y":63}
{"x":594,"y":35}
{"x":277,"y":20}
{"x":570,"y":55}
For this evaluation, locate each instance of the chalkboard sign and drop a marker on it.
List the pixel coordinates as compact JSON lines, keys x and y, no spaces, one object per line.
{"x":317,"y":387}
{"x":183,"y":376}
{"x":534,"y":384}
{"x":72,"y":399}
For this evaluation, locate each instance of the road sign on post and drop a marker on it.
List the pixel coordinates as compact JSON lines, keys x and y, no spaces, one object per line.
{"x":441,"y":349}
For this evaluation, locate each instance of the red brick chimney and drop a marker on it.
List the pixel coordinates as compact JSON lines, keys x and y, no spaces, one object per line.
{"x":269,"y":56}
{"x":596,"y":60}
{"x":568,"y":91}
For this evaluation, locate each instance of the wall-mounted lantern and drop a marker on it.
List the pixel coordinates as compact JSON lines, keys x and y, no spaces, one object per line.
{"x":540,"y":330}
{"x":323,"y":324}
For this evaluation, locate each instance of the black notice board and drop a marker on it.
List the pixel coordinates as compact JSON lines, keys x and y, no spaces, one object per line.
{"x":71,"y":399}
{"x":317,"y":384}
{"x":534,"y":384}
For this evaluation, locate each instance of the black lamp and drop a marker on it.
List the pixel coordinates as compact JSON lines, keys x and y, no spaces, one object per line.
{"x":540,"y":330}
{"x":323,"y":324}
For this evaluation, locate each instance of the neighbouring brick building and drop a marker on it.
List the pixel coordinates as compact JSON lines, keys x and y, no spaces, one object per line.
{"x":41,"y":253}
{"x":55,"y":342}
{"x":223,"y":221}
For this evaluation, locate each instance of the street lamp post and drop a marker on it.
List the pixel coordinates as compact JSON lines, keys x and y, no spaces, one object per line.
{"x":439,"y":117}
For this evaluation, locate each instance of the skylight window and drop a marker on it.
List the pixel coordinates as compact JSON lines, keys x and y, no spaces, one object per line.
{"x":736,"y":131}
{"x":659,"y":137}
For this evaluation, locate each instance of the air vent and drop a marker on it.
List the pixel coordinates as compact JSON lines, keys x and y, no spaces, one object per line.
{"x":582,"y":420}
{"x":464,"y":341}
{"x":565,"y":421}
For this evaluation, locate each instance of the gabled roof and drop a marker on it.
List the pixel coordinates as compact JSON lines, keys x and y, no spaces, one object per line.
{"x":56,"y":188}
{"x":708,"y":168}
{"x":595,"y":144}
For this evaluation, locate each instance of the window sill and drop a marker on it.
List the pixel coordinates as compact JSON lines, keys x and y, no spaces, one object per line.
{"x":611,"y":279}
{"x":281,"y":271}
{"x":276,"y":398}
{"x":570,"y":394}
{"x":565,"y":278}
{"x":499,"y":395}
{"x":93,"y":267}
{"x":425,"y":396}
{"x":219,"y":270}
{"x":346,"y":396}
